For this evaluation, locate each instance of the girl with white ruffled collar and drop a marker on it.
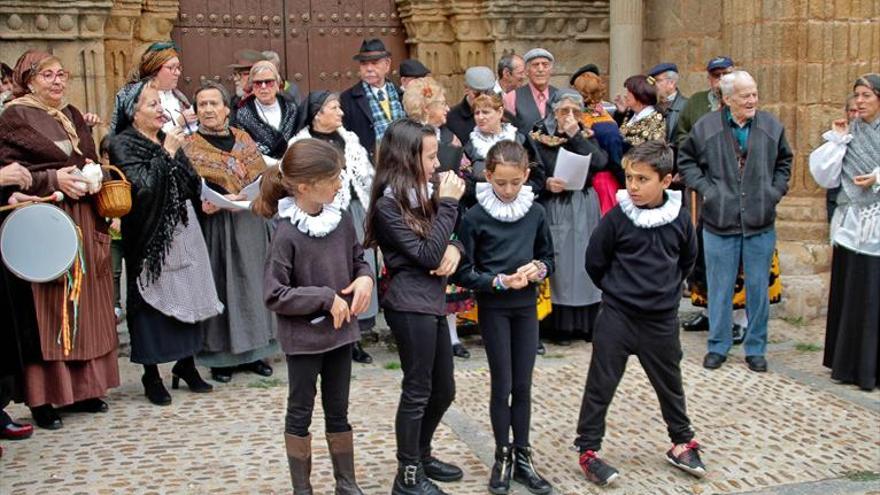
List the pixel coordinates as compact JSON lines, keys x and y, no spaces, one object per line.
{"x":508,"y":251}
{"x":317,"y":281}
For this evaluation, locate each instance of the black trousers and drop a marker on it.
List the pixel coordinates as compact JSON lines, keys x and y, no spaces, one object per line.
{"x":428,"y":386}
{"x":510,"y":336}
{"x":658,"y":348}
{"x":302,"y":375}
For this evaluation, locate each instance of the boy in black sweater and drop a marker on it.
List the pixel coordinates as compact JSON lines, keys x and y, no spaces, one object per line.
{"x":639,"y":255}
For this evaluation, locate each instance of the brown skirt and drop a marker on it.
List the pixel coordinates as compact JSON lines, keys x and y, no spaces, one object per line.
{"x":61,"y":383}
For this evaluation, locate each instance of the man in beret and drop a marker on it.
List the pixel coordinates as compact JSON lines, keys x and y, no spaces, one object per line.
{"x":669,"y":99}
{"x":511,"y":73}
{"x":373,"y":103}
{"x":531,"y":103}
{"x":410,"y":70}
{"x":460,"y":119}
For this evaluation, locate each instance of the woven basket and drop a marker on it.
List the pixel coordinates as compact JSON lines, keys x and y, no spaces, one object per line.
{"x":114,"y":198}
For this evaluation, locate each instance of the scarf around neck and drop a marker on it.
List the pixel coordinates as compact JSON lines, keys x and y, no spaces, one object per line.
{"x":500,"y":210}
{"x":29,"y":100}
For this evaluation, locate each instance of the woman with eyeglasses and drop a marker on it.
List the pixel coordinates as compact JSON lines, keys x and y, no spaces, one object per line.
{"x":572,"y":214}
{"x":269,"y":116}
{"x":51,"y":139}
{"x":161,"y":64}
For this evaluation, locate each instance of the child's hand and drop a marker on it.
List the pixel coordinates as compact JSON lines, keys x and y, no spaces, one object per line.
{"x":516,"y":281}
{"x":340,"y":312}
{"x":449,"y":263}
{"x":451,"y":186}
{"x":530,"y":271}
{"x":362,"y":288}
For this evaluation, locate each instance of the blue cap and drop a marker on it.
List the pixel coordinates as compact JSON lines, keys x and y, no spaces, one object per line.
{"x":661,"y":68}
{"x":721,"y":62}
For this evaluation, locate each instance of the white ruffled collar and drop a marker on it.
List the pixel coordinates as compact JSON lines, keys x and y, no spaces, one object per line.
{"x":484,"y":142}
{"x":413,"y":198}
{"x":643,"y":114}
{"x":648,"y":218}
{"x":501,"y":211}
{"x":313,"y":225}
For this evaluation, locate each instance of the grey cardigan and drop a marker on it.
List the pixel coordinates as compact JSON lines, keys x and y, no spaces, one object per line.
{"x":708,"y":163}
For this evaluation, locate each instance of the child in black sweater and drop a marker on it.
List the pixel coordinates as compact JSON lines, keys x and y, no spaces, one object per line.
{"x":639,"y":255}
{"x":507,"y":252}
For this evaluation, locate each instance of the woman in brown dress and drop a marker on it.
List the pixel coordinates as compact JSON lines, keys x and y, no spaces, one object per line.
{"x":52,"y":140}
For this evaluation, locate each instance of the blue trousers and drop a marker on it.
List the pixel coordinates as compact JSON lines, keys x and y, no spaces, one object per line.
{"x":723,"y":255}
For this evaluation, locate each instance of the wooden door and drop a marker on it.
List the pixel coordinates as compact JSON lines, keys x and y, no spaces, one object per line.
{"x":316,"y":39}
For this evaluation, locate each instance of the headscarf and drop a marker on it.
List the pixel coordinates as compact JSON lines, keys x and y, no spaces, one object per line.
{"x":154,"y":58}
{"x":313,"y":104}
{"x":126,"y":105}
{"x":25,"y":70}
{"x":871,"y":81}
{"x":563,"y":94}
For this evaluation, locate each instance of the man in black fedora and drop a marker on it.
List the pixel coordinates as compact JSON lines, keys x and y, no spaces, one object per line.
{"x":373,"y":103}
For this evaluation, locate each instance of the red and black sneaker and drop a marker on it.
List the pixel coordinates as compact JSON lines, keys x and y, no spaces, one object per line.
{"x":688,"y":460}
{"x":16,"y":431}
{"x":597,"y":470}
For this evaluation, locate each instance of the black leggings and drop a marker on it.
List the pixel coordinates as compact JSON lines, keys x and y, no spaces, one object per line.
{"x":428,"y":386}
{"x":302,"y":376}
{"x":511,"y":337}
{"x":657,"y":345}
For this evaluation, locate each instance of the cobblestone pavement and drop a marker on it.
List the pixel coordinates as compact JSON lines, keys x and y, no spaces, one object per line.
{"x":787,"y":431}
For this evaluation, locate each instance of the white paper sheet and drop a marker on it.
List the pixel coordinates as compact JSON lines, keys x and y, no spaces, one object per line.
{"x":251,"y":190}
{"x":572,"y":168}
{"x":221,"y":201}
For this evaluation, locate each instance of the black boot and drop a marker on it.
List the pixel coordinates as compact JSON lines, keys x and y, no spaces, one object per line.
{"x":411,"y":480}
{"x":524,"y":472}
{"x":185,"y":370}
{"x":154,"y":389}
{"x":359,"y":355}
{"x":299,"y":460}
{"x":342,"y":454}
{"x":499,"y":482}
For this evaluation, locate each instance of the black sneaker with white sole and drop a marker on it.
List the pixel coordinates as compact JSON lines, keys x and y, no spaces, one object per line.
{"x":597,"y":470}
{"x":688,"y":460}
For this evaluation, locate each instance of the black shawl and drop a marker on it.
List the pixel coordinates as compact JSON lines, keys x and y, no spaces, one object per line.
{"x":160,"y":186}
{"x":269,"y":141}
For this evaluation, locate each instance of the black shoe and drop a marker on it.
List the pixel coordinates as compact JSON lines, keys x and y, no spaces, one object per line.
{"x":438,"y":470}
{"x":689,"y":460}
{"x":524,"y":472}
{"x":541,"y":349}
{"x":502,"y":470}
{"x":459,"y":350}
{"x":411,"y":480}
{"x":189,"y":374}
{"x":359,"y":355}
{"x":87,"y":406}
{"x":259,"y":367}
{"x":222,"y":375}
{"x":713,"y":360}
{"x":155,"y":391}
{"x":46,"y":417}
{"x":700,"y":323}
{"x":597,"y":470}
{"x":739,"y":334}
{"x":757,"y":364}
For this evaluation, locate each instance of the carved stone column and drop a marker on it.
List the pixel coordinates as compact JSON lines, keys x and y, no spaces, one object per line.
{"x":626,"y":41}
{"x":72,"y":31}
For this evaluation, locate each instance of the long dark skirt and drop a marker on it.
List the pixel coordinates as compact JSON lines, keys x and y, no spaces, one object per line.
{"x":157,"y":338}
{"x":852,"y":346}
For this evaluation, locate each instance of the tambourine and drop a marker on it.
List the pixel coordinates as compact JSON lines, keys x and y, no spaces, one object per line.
{"x":38,"y":242}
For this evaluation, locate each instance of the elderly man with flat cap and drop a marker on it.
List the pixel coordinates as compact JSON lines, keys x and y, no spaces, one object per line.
{"x":460,"y":119}
{"x":670,"y":101}
{"x":530,"y":103}
{"x":373,"y":103}
{"x":410,"y":70}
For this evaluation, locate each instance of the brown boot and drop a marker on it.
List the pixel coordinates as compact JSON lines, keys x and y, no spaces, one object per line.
{"x":299,"y":458}
{"x":342,"y":453}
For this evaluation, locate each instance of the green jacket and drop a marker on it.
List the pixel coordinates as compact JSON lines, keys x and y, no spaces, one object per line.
{"x":697,"y":106}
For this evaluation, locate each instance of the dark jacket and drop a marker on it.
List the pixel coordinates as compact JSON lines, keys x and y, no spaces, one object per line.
{"x":527,"y":113}
{"x":408,"y":285}
{"x":640,"y":270}
{"x":696,"y":106}
{"x":546,"y":155}
{"x":358,"y":117}
{"x":302,"y":277}
{"x":460,"y":120}
{"x":672,"y":112}
{"x":708,"y":163}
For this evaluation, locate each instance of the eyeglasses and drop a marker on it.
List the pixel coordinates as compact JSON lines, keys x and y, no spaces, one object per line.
{"x":50,"y":76}
{"x":173,"y":68}
{"x":568,"y":110}
{"x":265,"y":83}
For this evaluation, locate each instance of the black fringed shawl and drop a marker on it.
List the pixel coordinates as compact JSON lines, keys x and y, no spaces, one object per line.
{"x":270,"y":142}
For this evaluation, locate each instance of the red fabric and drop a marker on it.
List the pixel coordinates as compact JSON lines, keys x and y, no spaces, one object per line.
{"x":606,"y":187}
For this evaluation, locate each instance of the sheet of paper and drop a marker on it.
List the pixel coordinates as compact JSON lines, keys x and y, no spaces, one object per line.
{"x":251,"y":190}
{"x":572,"y":168}
{"x":221,"y":201}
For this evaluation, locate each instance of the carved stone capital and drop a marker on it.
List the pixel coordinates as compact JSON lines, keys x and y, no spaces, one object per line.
{"x":44,"y":20}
